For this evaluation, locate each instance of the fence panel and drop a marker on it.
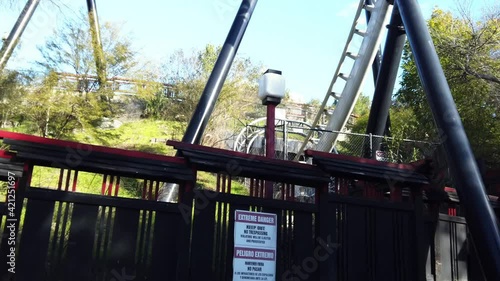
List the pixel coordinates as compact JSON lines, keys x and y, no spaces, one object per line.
{"x":452,"y":249}
{"x":213,"y":234}
{"x":81,"y":242}
{"x":32,"y":259}
{"x":71,"y":236}
{"x":375,"y":240}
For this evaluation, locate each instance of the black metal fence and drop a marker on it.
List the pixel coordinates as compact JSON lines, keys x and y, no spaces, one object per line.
{"x":380,"y":233}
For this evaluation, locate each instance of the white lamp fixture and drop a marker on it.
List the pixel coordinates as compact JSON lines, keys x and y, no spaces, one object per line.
{"x":271,"y":87}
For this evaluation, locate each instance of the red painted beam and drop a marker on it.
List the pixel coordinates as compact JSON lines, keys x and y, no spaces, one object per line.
{"x":89,"y":147}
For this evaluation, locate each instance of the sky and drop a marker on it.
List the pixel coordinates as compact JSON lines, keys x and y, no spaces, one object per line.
{"x":303,"y":39}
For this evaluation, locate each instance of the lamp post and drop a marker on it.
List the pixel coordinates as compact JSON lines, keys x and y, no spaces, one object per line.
{"x":271,"y":91}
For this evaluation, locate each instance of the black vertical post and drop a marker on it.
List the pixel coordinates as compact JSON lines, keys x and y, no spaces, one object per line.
{"x":95,"y":33}
{"x":270,"y":136}
{"x":376,"y":67}
{"x":23,"y":181}
{"x":419,"y":242}
{"x":206,"y":105}
{"x":379,"y":111}
{"x":285,"y":140}
{"x":15,"y":34}
{"x":465,"y":173}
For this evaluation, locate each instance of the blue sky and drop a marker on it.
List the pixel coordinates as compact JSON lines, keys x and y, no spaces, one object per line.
{"x":304,"y":39}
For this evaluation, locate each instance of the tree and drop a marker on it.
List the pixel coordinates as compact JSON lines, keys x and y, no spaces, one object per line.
{"x":353,"y":144}
{"x":50,"y":110}
{"x":188,"y":75}
{"x":70,"y":49}
{"x":65,"y":97}
{"x":469,"y":54}
{"x":12,"y":90}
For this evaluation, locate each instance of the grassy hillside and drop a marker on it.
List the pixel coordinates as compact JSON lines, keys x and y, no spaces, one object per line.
{"x":137,"y":135}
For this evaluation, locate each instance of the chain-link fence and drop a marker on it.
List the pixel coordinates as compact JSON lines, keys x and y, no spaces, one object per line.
{"x":387,"y":149}
{"x":289,"y":140}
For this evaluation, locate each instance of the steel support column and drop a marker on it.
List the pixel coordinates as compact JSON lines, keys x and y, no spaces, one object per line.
{"x":376,"y":68}
{"x":206,"y":105}
{"x":471,"y":191}
{"x":285,"y":140}
{"x":15,"y":34}
{"x":95,"y":32}
{"x":270,"y":130}
{"x":379,"y":111}
{"x":270,"y":136}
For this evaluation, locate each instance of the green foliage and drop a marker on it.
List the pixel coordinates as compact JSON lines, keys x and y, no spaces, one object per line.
{"x":468,"y":52}
{"x":136,"y":135}
{"x":55,"y":105}
{"x":353,"y":144}
{"x":404,"y":123}
{"x":70,"y":49}
{"x":12,"y":91}
{"x":359,"y":125}
{"x":49,"y":110}
{"x":189,"y":73}
{"x":361,"y":112}
{"x":208,"y":181}
{"x":362,"y":106}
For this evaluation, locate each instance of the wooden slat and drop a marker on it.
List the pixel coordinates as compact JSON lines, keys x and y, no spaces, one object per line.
{"x":384,"y":246}
{"x":461,"y":252}
{"x":78,"y":260}
{"x":184,"y":242}
{"x":408,"y":258}
{"x":221,"y":239}
{"x":357,"y":261}
{"x":124,"y":241}
{"x":328,"y":226}
{"x":418,"y":238}
{"x":429,"y":230}
{"x":230,"y":239}
{"x":303,"y":243}
{"x":219,"y":258}
{"x":451,"y":236}
{"x":35,"y":240}
{"x":166,"y":246}
{"x":282,"y":246}
{"x":342,"y":258}
{"x":203,"y":241}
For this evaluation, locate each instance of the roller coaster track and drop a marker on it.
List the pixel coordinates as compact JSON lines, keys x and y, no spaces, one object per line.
{"x":353,"y":82}
{"x":247,"y":136}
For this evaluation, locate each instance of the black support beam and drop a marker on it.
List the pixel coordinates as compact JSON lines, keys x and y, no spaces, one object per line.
{"x":470,"y":188}
{"x":379,"y":111}
{"x":95,"y":33}
{"x":210,"y":94}
{"x":15,"y":34}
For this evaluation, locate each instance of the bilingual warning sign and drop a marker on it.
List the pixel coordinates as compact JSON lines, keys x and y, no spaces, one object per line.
{"x":254,"y":246}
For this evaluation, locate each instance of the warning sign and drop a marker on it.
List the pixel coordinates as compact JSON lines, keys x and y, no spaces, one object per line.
{"x":254,"y":246}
